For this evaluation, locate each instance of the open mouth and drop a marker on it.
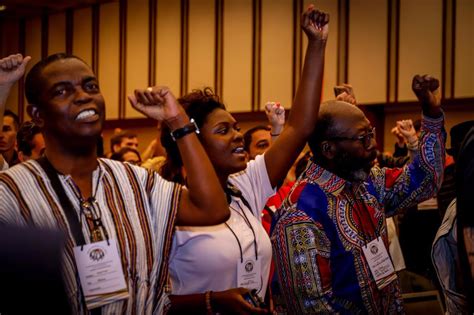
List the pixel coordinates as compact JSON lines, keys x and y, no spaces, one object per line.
{"x":238,"y":150}
{"x":88,"y":115}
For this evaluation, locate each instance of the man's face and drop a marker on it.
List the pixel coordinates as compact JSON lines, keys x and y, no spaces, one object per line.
{"x":129,"y":142}
{"x":261,"y":140}
{"x":71,"y":104}
{"x":355,"y":154}
{"x":7,"y":135}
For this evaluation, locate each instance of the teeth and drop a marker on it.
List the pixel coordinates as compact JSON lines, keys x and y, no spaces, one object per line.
{"x":85,"y":114}
{"x":239,"y":150}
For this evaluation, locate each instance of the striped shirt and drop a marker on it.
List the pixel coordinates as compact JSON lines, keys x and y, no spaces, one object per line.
{"x":137,"y":208}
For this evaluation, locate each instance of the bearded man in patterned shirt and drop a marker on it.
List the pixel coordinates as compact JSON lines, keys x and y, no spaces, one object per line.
{"x":330,"y":235}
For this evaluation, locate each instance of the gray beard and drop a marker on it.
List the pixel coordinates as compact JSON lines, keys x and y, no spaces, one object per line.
{"x":359,"y":175}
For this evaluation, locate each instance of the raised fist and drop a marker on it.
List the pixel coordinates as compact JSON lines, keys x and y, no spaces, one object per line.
{"x":315,"y":24}
{"x":156,"y":102}
{"x":426,"y":89}
{"x":275,"y":115}
{"x":12,"y":68}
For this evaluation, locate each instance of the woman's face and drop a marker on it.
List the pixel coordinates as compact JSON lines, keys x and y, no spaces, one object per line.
{"x":223,"y":142}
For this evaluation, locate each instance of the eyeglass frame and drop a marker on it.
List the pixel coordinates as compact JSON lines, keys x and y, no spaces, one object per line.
{"x":365,"y":138}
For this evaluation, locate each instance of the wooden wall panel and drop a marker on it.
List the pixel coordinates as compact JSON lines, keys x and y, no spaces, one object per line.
{"x":137,"y":51}
{"x":420,"y":42}
{"x":202,"y":53}
{"x":330,"y":62}
{"x":237,"y":60}
{"x":82,"y":34}
{"x":9,"y":44}
{"x":277,"y":52}
{"x":9,"y":40}
{"x":32,"y":45}
{"x":168,"y":44}
{"x":57,"y":33}
{"x":109,"y":57}
{"x":464,"y":49}
{"x":368,"y":50}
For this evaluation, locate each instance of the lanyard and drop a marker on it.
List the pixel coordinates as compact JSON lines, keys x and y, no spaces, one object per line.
{"x":71,"y":216}
{"x":232,"y":191}
{"x":91,"y":210}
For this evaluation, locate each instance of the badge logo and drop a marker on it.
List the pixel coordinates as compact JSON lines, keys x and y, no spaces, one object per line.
{"x":249,"y":266}
{"x":97,"y":254}
{"x":374,"y":249}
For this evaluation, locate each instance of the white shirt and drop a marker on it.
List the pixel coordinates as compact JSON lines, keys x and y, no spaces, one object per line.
{"x":206,"y":258}
{"x":4,"y":166}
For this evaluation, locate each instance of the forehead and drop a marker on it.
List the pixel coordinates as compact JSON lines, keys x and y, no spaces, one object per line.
{"x":351,"y":123}
{"x":131,"y":155}
{"x":129,"y":140}
{"x":219,"y":116}
{"x":66,"y":70}
{"x":260,"y":135}
{"x":7,"y":120}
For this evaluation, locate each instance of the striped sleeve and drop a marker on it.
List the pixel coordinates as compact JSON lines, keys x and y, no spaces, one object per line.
{"x":164,"y":200}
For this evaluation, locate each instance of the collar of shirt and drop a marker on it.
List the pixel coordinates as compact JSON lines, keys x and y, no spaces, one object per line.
{"x":327,"y":181}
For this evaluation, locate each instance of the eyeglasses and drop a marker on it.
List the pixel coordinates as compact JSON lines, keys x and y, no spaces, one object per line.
{"x":365,"y":139}
{"x":90,"y":209}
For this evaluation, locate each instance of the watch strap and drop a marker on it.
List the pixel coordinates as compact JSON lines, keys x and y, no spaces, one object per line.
{"x":187,"y":129}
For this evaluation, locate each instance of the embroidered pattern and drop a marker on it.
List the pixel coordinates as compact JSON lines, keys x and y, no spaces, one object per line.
{"x":319,"y":232}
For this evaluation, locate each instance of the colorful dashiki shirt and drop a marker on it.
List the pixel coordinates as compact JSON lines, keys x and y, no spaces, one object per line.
{"x":319,"y":232}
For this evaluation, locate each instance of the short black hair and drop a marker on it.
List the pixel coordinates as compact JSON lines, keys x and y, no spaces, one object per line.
{"x":323,"y":130}
{"x":118,"y":156}
{"x":25,"y":135}
{"x":248,"y":135}
{"x":34,"y":76}
{"x":458,"y":132}
{"x":16,"y":120}
{"x":117,"y":138}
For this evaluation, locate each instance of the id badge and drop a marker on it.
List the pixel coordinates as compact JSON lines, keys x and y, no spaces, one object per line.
{"x":100,"y":273}
{"x":249,"y":274}
{"x":379,"y":262}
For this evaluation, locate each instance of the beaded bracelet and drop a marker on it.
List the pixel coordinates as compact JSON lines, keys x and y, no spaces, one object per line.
{"x":207,"y":297}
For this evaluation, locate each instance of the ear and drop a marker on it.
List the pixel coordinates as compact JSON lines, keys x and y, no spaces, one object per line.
{"x":115,"y":148}
{"x":328,"y":149}
{"x":35,"y":115}
{"x":23,"y":157}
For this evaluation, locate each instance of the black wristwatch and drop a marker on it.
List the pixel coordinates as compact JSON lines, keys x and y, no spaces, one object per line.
{"x":181,"y":132}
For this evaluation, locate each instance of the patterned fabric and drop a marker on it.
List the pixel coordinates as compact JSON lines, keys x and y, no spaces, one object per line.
{"x":137,"y":208}
{"x":319,"y":232}
{"x":445,"y":258}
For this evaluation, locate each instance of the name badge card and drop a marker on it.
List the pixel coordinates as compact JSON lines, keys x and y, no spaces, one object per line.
{"x":379,"y":262}
{"x":101,"y":274}
{"x":249,"y":274}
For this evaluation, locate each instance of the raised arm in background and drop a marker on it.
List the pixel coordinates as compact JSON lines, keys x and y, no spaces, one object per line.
{"x":305,"y":108}
{"x":276,"y":117}
{"x":12,"y":69}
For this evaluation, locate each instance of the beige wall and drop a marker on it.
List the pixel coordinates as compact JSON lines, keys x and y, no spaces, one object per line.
{"x":191,"y":53}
